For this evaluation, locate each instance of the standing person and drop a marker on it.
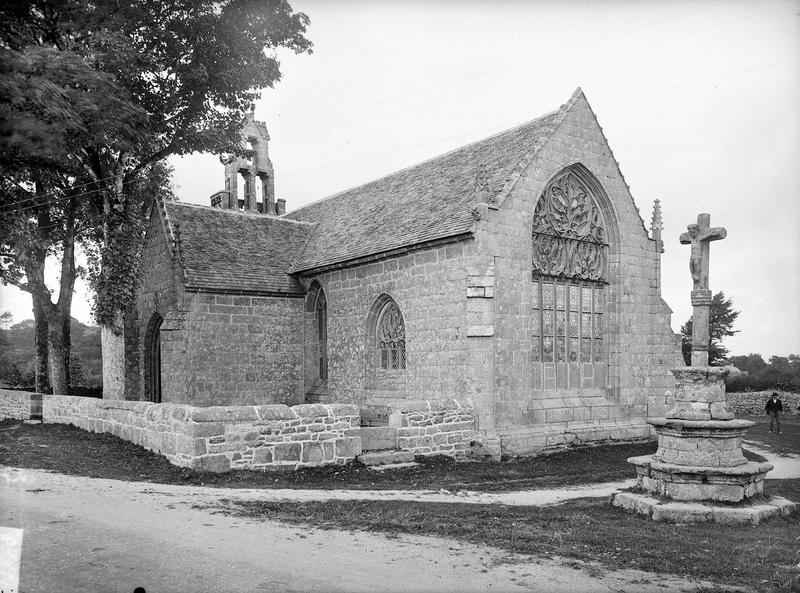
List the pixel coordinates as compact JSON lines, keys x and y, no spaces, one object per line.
{"x":774,"y":408}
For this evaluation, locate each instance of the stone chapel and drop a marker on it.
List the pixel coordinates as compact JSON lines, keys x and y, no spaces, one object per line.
{"x":514,"y":274}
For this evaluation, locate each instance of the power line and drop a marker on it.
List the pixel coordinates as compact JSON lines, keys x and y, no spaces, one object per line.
{"x":558,"y":66}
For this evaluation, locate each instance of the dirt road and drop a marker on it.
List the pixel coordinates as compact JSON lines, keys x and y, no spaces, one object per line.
{"x":95,"y":535}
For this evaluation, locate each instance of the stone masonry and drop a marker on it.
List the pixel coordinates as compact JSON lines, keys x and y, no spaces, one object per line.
{"x":450,"y":244}
{"x":444,"y":427}
{"x":221,"y":438}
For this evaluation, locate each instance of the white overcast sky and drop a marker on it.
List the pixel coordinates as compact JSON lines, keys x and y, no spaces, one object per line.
{"x":699,"y":100}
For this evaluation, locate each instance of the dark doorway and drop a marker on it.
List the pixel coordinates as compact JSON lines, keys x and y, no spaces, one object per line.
{"x":154,"y":359}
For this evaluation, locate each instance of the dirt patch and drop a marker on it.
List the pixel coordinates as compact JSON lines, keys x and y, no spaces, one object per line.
{"x":72,"y":451}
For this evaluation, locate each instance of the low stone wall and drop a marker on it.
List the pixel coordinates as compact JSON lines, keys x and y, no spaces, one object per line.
{"x":752,"y":403}
{"x":220,"y":438}
{"x":438,"y":427}
{"x":20,"y":405}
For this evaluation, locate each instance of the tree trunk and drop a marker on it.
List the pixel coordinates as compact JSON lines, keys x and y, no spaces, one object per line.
{"x":113,"y":343}
{"x":59,"y":341}
{"x":40,"y":343}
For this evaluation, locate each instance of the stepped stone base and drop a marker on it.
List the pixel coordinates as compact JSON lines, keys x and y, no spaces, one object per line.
{"x":701,"y":512}
{"x":700,"y":483}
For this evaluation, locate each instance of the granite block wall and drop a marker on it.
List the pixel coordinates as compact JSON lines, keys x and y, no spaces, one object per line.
{"x":20,"y":405}
{"x":239,"y":350}
{"x":752,"y":403}
{"x":221,"y":438}
{"x":216,"y":349}
{"x":438,"y":427}
{"x":640,"y":346}
{"x":429,"y":286}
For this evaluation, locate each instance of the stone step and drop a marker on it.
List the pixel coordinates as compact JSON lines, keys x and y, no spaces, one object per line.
{"x":386,"y":457}
{"x":378,"y":438}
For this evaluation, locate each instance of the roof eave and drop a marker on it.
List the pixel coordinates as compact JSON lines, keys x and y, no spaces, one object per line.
{"x":382,"y":255}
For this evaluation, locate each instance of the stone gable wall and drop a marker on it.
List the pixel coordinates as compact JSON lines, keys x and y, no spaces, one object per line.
{"x":640,"y":345}
{"x":160,"y":292}
{"x":220,"y":438}
{"x":216,"y":349}
{"x":429,"y":286}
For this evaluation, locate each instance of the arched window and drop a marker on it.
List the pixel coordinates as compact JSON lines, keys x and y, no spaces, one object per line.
{"x":153,"y":358}
{"x":391,"y":337}
{"x":315,"y":367}
{"x":570,"y":260}
{"x":321,"y":335}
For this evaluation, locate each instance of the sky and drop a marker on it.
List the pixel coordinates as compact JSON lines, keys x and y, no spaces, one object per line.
{"x":699,"y":100}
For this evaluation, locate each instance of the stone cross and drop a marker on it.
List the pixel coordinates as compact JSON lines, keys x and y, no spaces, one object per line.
{"x":699,"y":236}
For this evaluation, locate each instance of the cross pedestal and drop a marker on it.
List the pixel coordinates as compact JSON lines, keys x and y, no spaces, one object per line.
{"x":699,"y":461}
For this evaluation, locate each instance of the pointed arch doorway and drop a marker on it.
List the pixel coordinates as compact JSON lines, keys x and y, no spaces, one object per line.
{"x":153,"y":359}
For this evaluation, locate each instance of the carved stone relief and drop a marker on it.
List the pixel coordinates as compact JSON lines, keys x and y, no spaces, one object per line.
{"x":569,"y":233}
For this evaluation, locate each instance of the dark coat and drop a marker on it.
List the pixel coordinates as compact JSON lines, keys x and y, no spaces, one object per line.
{"x":773,"y":406}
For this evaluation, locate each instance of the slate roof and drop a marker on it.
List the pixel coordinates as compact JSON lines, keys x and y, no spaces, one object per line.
{"x":429,"y":201}
{"x":229,"y":250}
{"x":225,"y":250}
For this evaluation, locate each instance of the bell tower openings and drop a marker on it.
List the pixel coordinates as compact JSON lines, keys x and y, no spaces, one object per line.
{"x":250,"y":178}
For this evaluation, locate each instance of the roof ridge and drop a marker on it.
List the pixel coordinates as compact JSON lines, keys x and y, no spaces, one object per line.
{"x":232,"y":212}
{"x":429,"y":160}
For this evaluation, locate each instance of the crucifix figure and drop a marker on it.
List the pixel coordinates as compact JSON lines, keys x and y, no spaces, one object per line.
{"x":699,"y":236}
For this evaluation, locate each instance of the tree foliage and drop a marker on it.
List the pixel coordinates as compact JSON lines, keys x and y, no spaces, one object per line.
{"x":720,"y":326}
{"x":93,"y":97}
{"x":126,"y":85}
{"x":781,"y":372}
{"x":17,"y":366}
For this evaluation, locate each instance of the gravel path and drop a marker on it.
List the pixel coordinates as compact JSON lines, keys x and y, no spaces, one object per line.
{"x":96,"y":535}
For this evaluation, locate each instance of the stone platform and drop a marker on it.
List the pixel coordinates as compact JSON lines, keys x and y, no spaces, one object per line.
{"x":669,"y":511}
{"x":699,"y":472}
{"x":687,"y":482}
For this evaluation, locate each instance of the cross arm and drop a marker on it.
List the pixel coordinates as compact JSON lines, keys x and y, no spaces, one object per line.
{"x":712,"y":234}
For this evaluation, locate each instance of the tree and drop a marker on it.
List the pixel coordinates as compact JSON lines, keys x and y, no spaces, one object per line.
{"x":751,"y":364}
{"x":113,"y":89}
{"x":720,"y":325}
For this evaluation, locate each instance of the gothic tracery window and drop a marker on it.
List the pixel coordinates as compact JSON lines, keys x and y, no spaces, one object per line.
{"x":391,"y":338}
{"x":569,"y":268}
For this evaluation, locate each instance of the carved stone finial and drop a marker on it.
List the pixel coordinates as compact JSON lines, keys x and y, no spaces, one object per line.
{"x":177,"y":242}
{"x":656,"y":226}
{"x":482,"y":184}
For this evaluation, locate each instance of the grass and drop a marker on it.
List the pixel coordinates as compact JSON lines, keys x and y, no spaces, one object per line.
{"x":765,"y":557}
{"x":586,"y":530}
{"x":69,"y":450}
{"x":786,"y":443}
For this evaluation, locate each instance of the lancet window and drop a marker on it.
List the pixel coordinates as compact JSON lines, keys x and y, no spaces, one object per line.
{"x":321,"y":335}
{"x":391,"y":338}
